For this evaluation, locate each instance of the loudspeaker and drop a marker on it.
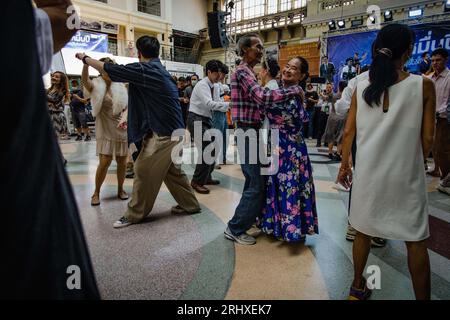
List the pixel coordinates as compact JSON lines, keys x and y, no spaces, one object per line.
{"x":217,"y":29}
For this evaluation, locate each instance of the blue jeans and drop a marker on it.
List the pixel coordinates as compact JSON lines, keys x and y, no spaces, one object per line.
{"x":252,"y":200}
{"x":219,"y":122}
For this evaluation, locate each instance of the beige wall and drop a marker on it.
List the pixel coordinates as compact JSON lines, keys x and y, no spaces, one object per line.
{"x":132,"y":23}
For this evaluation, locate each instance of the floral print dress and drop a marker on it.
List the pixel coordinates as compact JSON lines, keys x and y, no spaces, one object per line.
{"x":290,"y":210}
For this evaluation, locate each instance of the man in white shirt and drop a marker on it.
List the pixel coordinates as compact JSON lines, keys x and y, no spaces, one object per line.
{"x":201,"y":106}
{"x":342,"y":106}
{"x":349,"y":71}
{"x":219,"y":118}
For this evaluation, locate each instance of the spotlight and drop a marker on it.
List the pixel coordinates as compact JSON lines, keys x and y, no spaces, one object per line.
{"x":341,"y":24}
{"x":415,"y":13}
{"x":372,"y":19}
{"x":388,"y":16}
{"x":447,"y":6}
{"x":332,"y":25}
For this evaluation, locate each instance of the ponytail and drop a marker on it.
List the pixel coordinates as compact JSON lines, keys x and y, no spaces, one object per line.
{"x":392,"y":42}
{"x":382,"y":74}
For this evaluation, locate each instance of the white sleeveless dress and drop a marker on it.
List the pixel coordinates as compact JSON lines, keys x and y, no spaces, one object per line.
{"x":389,"y":196}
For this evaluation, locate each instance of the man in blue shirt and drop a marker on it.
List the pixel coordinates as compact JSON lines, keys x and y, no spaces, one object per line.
{"x":154,"y":114}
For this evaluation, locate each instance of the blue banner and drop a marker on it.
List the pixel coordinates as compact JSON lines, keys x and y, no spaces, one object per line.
{"x":428,"y":38}
{"x":88,"y":41}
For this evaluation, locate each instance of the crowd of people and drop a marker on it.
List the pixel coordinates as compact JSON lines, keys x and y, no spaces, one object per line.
{"x":381,"y":161}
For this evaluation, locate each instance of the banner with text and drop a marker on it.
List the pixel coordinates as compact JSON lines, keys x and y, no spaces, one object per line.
{"x":428,"y":38}
{"x":88,"y":41}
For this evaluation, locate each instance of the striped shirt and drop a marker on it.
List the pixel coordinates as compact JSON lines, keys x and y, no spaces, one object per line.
{"x":247,"y":96}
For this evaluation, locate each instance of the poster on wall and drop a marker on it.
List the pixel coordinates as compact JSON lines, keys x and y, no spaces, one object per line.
{"x":88,"y":41}
{"x":309,"y":51}
{"x":428,"y":38}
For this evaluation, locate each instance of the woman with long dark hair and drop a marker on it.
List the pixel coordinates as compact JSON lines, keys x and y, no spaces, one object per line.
{"x":57,"y":95}
{"x":290,"y":209}
{"x":393,"y":115}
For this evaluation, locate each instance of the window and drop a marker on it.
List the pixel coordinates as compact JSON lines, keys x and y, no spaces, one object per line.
{"x":150,"y":7}
{"x":299,"y":4}
{"x":286,"y":5}
{"x":104,"y":1}
{"x":112,"y":46}
{"x":253,"y":8}
{"x":272,"y":6}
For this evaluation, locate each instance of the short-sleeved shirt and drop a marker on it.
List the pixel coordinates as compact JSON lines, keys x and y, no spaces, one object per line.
{"x":75,"y":104}
{"x":153,"y":101}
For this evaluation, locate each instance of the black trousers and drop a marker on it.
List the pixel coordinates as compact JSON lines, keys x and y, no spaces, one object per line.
{"x":203,"y":170}
{"x":322,"y":119}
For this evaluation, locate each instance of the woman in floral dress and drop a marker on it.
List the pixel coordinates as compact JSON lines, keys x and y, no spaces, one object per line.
{"x":290,"y":211}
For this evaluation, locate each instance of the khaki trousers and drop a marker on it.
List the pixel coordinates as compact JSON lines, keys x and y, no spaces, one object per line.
{"x":154,"y":166}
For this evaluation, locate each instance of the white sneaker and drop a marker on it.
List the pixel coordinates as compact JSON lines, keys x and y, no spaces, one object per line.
{"x":443,"y":189}
{"x":121,"y":223}
{"x":340,"y":187}
{"x":243,"y":239}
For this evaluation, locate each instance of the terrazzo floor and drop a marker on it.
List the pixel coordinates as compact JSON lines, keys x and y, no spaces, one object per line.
{"x":187,"y":257}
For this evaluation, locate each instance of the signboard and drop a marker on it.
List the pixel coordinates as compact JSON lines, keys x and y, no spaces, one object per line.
{"x":88,"y":41}
{"x":309,"y":51}
{"x":428,"y":38}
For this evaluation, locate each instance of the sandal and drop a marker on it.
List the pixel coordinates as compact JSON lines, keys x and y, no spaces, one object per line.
{"x":95,"y":200}
{"x":122,"y":195}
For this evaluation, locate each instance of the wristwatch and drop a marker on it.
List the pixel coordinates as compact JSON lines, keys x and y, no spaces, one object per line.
{"x":84,"y":59}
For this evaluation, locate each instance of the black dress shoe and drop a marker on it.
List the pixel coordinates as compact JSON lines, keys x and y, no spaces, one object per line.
{"x":337,"y":157}
{"x":212,"y":182}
